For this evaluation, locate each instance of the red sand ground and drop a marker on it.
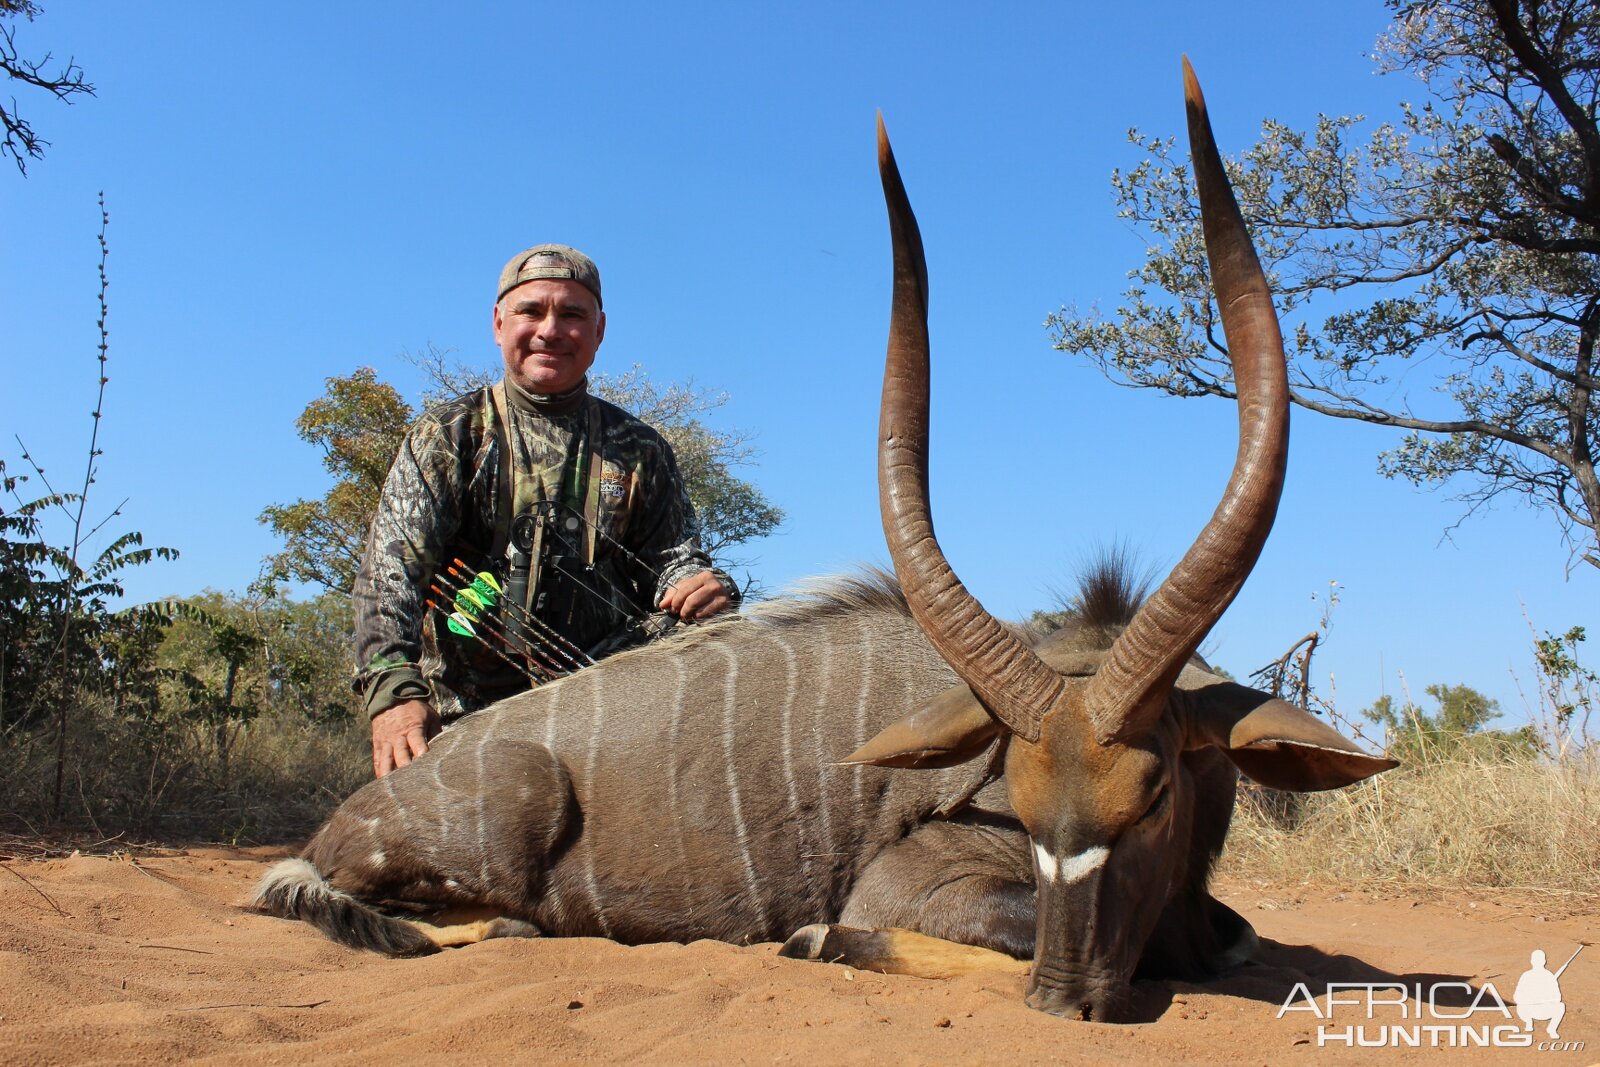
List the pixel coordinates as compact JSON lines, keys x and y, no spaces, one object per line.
{"x":151,"y":959}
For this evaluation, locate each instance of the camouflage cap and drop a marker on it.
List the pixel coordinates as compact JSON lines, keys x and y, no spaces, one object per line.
{"x":550,"y":261}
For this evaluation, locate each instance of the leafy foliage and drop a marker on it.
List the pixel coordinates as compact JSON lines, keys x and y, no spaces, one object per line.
{"x":233,"y":657}
{"x":58,"y":632}
{"x":732,"y":510}
{"x":1463,"y":235}
{"x":1457,"y":726}
{"x":359,"y":424}
{"x":1569,"y":692}
{"x":152,"y":704}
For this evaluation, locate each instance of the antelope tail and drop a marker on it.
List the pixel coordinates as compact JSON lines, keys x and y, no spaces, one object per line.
{"x":294,"y":889}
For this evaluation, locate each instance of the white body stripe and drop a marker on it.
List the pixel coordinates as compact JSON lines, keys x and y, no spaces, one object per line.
{"x":551,"y":714}
{"x":822,"y":740}
{"x":864,"y":643}
{"x":791,"y":687}
{"x":730,"y":705}
{"x":675,"y":737}
{"x":481,"y":816}
{"x":447,"y":822}
{"x":552,"y":892}
{"x":791,"y":683}
{"x":595,"y":737}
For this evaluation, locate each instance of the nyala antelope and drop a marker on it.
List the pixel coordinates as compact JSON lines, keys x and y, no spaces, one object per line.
{"x":998,"y":798}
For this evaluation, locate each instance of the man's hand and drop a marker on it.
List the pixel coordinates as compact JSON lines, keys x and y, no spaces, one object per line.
{"x":697,"y":597}
{"x":401,"y":734}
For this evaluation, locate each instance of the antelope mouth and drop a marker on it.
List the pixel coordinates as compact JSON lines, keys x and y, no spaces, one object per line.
{"x":1081,"y":999}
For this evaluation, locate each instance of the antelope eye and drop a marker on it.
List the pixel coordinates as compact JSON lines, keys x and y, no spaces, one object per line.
{"x":1159,"y":805}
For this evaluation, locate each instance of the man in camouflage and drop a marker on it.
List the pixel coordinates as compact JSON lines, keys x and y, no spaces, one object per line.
{"x":536,"y":443}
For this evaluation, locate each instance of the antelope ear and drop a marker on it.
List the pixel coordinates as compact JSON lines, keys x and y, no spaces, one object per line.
{"x":1274,"y":742}
{"x":950,"y":729}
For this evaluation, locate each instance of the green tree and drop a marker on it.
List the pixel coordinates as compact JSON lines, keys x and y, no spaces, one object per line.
{"x":60,"y":639}
{"x":225,"y":659}
{"x":732,"y":510}
{"x":21,"y":142}
{"x":1568,"y":691}
{"x":359,"y":424}
{"x":225,"y":705}
{"x":1456,"y":726}
{"x":1467,"y":229}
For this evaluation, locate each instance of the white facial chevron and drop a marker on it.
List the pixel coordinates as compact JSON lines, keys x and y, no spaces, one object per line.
{"x":1070,"y":869}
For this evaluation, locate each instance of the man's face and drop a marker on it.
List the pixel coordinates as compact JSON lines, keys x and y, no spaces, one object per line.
{"x":548,"y":331}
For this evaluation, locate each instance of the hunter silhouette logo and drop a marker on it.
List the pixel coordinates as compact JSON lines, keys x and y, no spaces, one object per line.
{"x":1444,"y":1014}
{"x":1538,"y":993}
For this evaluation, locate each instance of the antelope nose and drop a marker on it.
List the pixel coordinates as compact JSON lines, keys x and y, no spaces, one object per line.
{"x":1079,"y":1005}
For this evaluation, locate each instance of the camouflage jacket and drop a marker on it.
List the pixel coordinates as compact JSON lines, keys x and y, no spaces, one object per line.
{"x":451,"y":495}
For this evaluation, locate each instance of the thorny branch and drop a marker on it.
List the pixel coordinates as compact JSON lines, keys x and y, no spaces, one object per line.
{"x":1289,"y":676}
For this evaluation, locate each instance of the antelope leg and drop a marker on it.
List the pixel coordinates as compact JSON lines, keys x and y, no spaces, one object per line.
{"x":473,"y":932}
{"x":896,"y":952}
{"x":968,"y":880}
{"x":952,"y":898}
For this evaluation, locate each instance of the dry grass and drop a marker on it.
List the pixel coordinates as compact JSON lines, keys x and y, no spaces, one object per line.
{"x":1459,"y":820}
{"x":127,"y":782}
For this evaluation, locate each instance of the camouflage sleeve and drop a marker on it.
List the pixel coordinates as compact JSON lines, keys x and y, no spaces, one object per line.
{"x":670,"y":542}
{"x":418,"y":513}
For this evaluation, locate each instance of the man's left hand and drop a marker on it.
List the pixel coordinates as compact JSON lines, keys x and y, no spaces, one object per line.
{"x":697,"y":597}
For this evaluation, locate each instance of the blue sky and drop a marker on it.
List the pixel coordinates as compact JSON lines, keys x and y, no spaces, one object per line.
{"x":297,"y":194}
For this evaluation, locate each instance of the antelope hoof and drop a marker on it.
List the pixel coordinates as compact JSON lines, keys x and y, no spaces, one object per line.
{"x":503,"y":927}
{"x":806,"y":943}
{"x":1237,"y":937}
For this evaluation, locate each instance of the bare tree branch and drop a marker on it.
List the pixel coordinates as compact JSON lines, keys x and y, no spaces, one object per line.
{"x":1459,"y":239}
{"x":21,"y":142}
